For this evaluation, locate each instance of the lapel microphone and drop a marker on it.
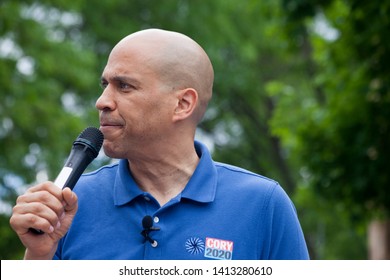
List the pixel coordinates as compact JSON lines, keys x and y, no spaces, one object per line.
{"x":147,"y":224}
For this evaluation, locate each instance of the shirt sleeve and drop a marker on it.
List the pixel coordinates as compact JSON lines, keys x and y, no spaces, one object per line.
{"x":284,"y":239}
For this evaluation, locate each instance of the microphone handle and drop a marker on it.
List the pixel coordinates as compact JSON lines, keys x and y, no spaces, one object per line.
{"x":74,"y":167}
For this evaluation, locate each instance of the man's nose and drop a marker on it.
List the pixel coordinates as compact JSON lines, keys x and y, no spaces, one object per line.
{"x":106,"y":101}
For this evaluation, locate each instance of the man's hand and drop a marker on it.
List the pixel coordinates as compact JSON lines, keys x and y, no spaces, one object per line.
{"x":47,"y":208}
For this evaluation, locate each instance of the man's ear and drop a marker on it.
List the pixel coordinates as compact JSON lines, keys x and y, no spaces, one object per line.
{"x":187,"y":100}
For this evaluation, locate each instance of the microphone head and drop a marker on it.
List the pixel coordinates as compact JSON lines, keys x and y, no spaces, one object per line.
{"x":91,"y":137}
{"x":147,"y":222}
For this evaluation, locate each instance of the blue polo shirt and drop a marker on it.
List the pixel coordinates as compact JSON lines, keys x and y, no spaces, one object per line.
{"x":224,"y":212}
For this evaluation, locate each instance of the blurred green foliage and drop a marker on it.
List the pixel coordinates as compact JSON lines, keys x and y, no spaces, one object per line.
{"x":301,"y":95}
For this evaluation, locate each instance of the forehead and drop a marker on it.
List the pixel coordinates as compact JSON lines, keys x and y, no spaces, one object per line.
{"x":129,"y":62}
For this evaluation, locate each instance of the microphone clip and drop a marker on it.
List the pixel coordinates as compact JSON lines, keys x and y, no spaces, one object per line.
{"x":147,"y":223}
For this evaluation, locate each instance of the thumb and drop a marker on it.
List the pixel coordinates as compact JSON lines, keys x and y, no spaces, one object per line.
{"x":70,"y":199}
{"x":70,"y":203}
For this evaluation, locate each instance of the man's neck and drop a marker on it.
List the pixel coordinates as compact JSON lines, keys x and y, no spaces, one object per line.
{"x":165,"y":177}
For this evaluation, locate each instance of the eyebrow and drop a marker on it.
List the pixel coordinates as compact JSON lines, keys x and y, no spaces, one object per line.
{"x":125,"y":79}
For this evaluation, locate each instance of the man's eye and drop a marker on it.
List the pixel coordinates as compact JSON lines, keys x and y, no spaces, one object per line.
{"x":125,"y":86}
{"x":103,"y":84}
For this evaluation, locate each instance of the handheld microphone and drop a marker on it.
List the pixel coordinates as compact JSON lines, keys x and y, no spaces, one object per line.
{"x":147,"y":224}
{"x":85,"y":149}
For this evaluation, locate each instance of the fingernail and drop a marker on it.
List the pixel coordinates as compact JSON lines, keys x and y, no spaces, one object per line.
{"x":58,"y":225}
{"x":51,"y":229}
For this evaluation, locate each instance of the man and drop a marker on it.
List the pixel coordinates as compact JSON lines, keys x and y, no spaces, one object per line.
{"x":157,"y":85}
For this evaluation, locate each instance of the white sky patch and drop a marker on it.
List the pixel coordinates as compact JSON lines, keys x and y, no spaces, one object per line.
{"x":50,"y":16}
{"x":26,"y":65}
{"x":69,"y":102}
{"x":323,"y":28}
{"x":8,"y":48}
{"x":206,"y":139}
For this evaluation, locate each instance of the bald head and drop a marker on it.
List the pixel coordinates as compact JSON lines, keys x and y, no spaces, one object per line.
{"x":177,"y":59}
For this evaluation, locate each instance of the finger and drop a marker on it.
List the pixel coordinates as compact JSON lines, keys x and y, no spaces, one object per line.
{"x":22,"y":224}
{"x":70,"y":198}
{"x":47,"y":186}
{"x":34,"y":202}
{"x":35,"y":215}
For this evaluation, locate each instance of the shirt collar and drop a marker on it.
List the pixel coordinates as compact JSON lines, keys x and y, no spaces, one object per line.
{"x":125,"y":188}
{"x":201,"y":186}
{"x":203,"y":183}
